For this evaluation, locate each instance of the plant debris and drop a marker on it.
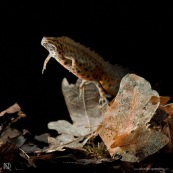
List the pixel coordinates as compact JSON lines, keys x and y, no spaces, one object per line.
{"x":133,"y":132}
{"x":124,"y":128}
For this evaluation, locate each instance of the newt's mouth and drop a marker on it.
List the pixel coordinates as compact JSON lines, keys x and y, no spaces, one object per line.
{"x":44,"y":41}
{"x":47,"y":43}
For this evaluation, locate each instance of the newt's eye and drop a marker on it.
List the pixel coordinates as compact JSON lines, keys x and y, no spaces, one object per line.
{"x":51,"y":47}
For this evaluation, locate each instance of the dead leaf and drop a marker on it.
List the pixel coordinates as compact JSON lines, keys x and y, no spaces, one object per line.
{"x":42,"y":137}
{"x":168,"y":131}
{"x":124,"y":128}
{"x":84,"y":112}
{"x":56,"y":145}
{"x":164,"y":99}
{"x":8,"y":134}
{"x":12,"y":109}
{"x":168,"y":108}
{"x":168,"y":128}
{"x":8,"y":154}
{"x":85,"y":108}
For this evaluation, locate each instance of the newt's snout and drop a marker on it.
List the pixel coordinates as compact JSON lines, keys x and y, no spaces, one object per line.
{"x":43,"y":41}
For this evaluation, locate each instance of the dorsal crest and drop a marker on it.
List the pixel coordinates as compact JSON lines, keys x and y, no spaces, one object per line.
{"x":87,"y":50}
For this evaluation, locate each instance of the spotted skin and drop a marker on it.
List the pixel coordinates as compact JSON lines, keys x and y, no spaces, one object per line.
{"x":85,"y":64}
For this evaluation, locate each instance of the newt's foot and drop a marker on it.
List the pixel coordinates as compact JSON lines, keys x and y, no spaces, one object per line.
{"x":45,"y":63}
{"x":73,"y":69}
{"x":103,"y":101}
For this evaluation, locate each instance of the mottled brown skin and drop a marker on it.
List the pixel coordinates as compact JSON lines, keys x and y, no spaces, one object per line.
{"x":85,"y":64}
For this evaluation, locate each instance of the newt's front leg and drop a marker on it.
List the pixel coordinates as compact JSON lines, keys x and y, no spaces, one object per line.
{"x":73,"y":67}
{"x":45,"y":62}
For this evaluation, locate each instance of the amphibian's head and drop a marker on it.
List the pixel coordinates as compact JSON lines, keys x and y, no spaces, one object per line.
{"x":52,"y":45}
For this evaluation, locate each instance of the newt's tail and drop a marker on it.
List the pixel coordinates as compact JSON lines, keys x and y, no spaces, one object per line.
{"x":112,"y":78}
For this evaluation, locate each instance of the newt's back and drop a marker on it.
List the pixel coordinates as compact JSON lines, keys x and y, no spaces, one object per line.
{"x":84,"y":63}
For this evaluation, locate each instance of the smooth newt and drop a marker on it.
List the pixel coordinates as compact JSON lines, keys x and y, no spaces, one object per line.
{"x":84,"y":64}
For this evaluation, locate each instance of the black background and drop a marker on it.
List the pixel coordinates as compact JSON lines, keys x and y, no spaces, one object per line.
{"x":135,"y":35}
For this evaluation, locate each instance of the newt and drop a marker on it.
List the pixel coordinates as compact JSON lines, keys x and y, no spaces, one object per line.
{"x":85,"y":64}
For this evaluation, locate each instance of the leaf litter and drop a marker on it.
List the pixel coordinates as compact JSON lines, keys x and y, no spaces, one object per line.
{"x":85,"y":113}
{"x":137,"y":124}
{"x":124,"y":128}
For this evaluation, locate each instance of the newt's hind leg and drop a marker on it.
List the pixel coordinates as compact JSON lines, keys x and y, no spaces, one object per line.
{"x":81,"y":87}
{"x":103,"y":96}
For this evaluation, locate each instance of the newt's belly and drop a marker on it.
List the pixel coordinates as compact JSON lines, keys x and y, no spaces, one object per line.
{"x":111,"y":86}
{"x":88,"y":75}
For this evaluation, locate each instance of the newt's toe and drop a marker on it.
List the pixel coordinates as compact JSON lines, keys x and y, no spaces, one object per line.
{"x":103,"y":101}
